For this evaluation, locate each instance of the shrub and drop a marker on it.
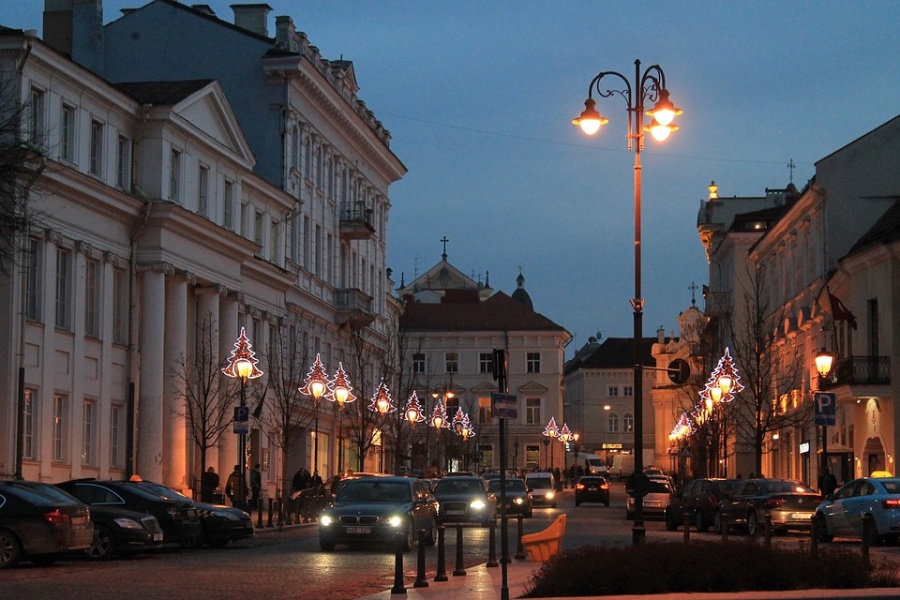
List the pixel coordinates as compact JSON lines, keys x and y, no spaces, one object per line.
{"x":661,"y":567}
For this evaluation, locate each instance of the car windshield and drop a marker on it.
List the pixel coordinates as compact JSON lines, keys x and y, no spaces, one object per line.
{"x":370,"y":490}
{"x":539,"y":483}
{"x":162,"y":491}
{"x":515,"y":485}
{"x":38,"y":497}
{"x":786,"y":487}
{"x":452,"y":485}
{"x":658,"y":487}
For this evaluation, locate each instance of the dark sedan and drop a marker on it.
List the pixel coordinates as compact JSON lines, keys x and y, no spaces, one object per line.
{"x":592,"y":488}
{"x":39,"y":522}
{"x":789,"y":503}
{"x":517,"y":496}
{"x":177,"y":515}
{"x":465,"y":499}
{"x":222,"y":525}
{"x":121,"y":532}
{"x":376,"y":509}
{"x":700,"y":499}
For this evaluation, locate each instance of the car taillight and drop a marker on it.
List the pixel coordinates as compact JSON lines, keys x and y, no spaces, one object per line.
{"x":56,"y":517}
{"x":604,"y":486}
{"x":579,"y":486}
{"x":777,"y":501}
{"x":889,"y":503}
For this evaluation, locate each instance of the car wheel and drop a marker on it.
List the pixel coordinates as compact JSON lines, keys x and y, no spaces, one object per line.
{"x":822,"y":529}
{"x":104,"y":545}
{"x":326,"y":544}
{"x":671,"y":523}
{"x":752,"y":524}
{"x":44,"y":560}
{"x":700,"y":522}
{"x":718,"y":523}
{"x":10,"y":549}
{"x":874,"y":538}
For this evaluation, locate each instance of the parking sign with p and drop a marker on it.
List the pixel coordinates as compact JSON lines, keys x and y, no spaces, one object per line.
{"x":825,"y":403}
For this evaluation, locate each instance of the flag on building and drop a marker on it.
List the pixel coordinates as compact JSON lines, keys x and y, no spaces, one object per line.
{"x":839,"y":312}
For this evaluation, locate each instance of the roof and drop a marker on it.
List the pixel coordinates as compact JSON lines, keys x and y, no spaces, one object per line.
{"x":613,"y":353}
{"x":886,"y":230}
{"x":463,"y":312}
{"x":162,"y":93}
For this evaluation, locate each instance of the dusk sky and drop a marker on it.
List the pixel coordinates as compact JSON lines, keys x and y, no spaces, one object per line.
{"x":479,"y":98}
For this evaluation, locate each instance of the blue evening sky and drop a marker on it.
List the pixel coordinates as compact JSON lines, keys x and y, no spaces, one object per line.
{"x":478,"y":96}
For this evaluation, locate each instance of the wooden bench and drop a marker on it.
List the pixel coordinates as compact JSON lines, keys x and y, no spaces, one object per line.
{"x":541,"y":545}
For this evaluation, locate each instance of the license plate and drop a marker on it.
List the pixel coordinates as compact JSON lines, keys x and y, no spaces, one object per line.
{"x":359,"y":530}
{"x":799,"y":516}
{"x":456,"y":512}
{"x":79,"y":520}
{"x":157,"y":537}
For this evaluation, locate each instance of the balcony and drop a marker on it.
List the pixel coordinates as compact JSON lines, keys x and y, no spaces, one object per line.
{"x":356,"y":221}
{"x":353,"y":307}
{"x":858,"y":370}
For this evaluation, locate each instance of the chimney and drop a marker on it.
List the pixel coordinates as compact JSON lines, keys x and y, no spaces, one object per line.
{"x":206,"y":9}
{"x":252,"y":17}
{"x":661,"y":335}
{"x":75,"y":28}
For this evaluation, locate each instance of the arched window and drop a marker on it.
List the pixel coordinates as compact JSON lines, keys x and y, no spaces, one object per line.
{"x":613,"y":423}
{"x":628,"y":422}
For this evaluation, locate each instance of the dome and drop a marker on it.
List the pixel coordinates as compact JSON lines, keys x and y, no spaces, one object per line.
{"x":520,"y":294}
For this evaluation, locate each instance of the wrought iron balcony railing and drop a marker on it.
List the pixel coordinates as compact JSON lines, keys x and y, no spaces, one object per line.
{"x":858,"y":370}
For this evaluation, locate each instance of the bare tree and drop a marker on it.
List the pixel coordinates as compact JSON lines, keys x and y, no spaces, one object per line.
{"x":362,"y":423}
{"x":770,"y":370}
{"x":206,"y":392}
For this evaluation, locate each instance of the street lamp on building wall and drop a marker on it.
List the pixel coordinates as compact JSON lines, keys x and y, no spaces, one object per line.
{"x":649,"y":86}
{"x":316,"y":385}
{"x":242,"y":364}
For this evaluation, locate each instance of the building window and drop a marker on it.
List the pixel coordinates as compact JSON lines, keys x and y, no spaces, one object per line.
{"x":451,"y":362}
{"x":613,"y":423}
{"x":67,"y":134}
{"x":116,"y":435}
{"x":485,"y":414}
{"x":532,"y":411}
{"x":33,"y":271}
{"x":628,"y":391}
{"x":452,"y":406}
{"x":123,"y":163}
{"x":96,"y":166}
{"x":258,"y":219}
{"x":485,"y":362}
{"x":29,"y":443}
{"x":92,"y":298}
{"x":317,"y":258}
{"x":37,"y":123}
{"x":63,"y":287}
{"x":228,"y":202}
{"x":418,"y":362}
{"x":628,"y":423}
{"x":60,"y":433}
{"x":613,"y":390}
{"x":533,"y":362}
{"x":275,"y":240}
{"x":120,"y":307}
{"x":532,"y":456}
{"x":203,"y":191}
{"x":87,"y":440}
{"x":175,"y":175}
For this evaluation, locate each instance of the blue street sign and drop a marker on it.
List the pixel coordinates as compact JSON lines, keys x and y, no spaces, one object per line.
{"x":825,"y":403}
{"x":504,"y":406}
{"x":241,"y":418}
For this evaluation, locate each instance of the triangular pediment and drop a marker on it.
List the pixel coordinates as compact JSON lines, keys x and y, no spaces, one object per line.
{"x":533,"y":388}
{"x":485,"y":388}
{"x":209,"y":114}
{"x":440,"y":277}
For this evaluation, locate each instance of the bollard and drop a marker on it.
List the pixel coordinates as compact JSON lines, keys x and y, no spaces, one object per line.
{"x":460,"y":570}
{"x":288,"y":511}
{"x":868,"y":536}
{"x":504,"y":541}
{"x":271,"y":509}
{"x":400,"y":538}
{"x":723,"y":524}
{"x":814,"y":537}
{"x":259,"y":512}
{"x":687,"y":526}
{"x":279,"y":514}
{"x":767,"y":529}
{"x":492,"y":551}
{"x":520,"y":547}
{"x":420,"y":564}
{"x":441,"y":574}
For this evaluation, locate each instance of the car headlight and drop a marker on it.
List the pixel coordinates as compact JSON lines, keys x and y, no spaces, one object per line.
{"x":395,"y":520}
{"x":549,"y":495}
{"x":478,"y":504}
{"x":126,"y":523}
{"x":325,"y":520}
{"x":519,"y":501}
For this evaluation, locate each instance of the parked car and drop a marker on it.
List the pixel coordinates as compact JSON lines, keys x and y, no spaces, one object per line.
{"x":656,"y":498}
{"x":176,"y":515}
{"x":700,"y":498}
{"x":219,"y":524}
{"x":374,"y":509}
{"x":312,"y":500}
{"x":542,"y":486}
{"x":518,"y":498}
{"x":465,"y":499}
{"x":841,"y":514}
{"x":789,"y":503}
{"x":39,"y":522}
{"x":592,"y":488}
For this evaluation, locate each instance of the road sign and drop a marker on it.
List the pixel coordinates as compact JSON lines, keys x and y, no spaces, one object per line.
{"x":679,"y":371}
{"x":241,"y":427}
{"x":504,"y":406}
{"x":241,"y":419}
{"x":825,"y":403}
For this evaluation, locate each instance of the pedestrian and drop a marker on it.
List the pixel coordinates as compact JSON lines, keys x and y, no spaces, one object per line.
{"x":209,"y":483}
{"x":827,"y":483}
{"x":255,"y":486}
{"x":297,"y":481}
{"x":236,"y":488}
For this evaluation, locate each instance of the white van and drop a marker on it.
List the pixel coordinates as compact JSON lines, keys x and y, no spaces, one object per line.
{"x":622,"y":466}
{"x":542,"y":486}
{"x":592,"y":463}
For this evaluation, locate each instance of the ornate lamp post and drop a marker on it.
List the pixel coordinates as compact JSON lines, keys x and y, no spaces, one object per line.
{"x":649,"y":86}
{"x":565,"y":436}
{"x":382,"y":405}
{"x":341,"y":393}
{"x":242,"y":364}
{"x":316,"y":385}
{"x":824,"y":361}
{"x":551,"y":431}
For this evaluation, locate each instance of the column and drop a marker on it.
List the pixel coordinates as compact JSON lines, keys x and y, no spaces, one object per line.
{"x":152,"y":352}
{"x":178,"y":369}
{"x":227,"y":315}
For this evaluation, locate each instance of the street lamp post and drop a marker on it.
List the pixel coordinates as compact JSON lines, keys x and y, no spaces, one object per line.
{"x":551,"y":431}
{"x":649,"y":86}
{"x":824,"y":361}
{"x":242,"y":364}
{"x":316,"y":385}
{"x":340,"y":392}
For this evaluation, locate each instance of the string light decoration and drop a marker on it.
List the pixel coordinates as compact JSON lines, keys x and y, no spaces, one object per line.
{"x":340,"y":391}
{"x":551,"y":430}
{"x":316,"y":382}
{"x":413,"y":410}
{"x":241,"y":356}
{"x":683,"y":428}
{"x":381,"y":400}
{"x":565,"y":434}
{"x":439,"y":419}
{"x":460,"y":421}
